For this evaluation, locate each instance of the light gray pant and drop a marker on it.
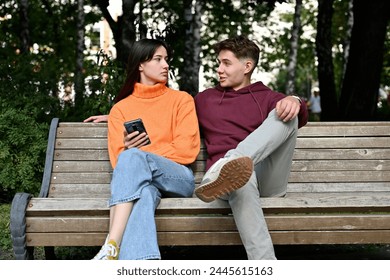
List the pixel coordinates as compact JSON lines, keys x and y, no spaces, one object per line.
{"x":271,"y":147}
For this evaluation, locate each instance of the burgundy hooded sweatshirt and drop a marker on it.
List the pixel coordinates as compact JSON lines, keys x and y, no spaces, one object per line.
{"x":227,"y":116}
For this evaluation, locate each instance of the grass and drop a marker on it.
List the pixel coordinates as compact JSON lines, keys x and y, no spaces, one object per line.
{"x":5,"y":235}
{"x":6,"y":252}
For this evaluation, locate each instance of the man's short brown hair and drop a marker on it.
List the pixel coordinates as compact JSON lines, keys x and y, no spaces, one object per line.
{"x":241,"y":46}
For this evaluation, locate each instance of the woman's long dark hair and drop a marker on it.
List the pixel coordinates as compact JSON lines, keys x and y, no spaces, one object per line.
{"x":141,"y":51}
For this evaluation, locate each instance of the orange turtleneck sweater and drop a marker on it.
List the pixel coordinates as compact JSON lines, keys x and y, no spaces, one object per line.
{"x":169,"y":117}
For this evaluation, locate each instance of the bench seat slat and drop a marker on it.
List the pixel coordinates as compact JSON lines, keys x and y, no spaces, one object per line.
{"x":293,"y":202}
{"x":103,"y":190}
{"x":220,"y":238}
{"x":279,"y":237}
{"x":182,"y":223}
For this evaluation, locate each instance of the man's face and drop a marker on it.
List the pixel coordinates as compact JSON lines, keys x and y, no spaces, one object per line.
{"x":232,"y":72}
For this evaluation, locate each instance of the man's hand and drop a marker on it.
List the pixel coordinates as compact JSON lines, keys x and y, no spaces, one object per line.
{"x":288,"y":108}
{"x":135,"y":139}
{"x":97,"y":119}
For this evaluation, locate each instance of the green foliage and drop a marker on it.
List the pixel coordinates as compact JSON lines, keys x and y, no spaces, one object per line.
{"x":236,"y":18}
{"x":104,"y":79}
{"x":26,"y":85}
{"x":5,"y":235}
{"x":22,"y":151}
{"x":383,"y":113}
{"x":107,"y":78}
{"x":275,"y":50}
{"x":76,"y":253}
{"x":32,"y":84}
{"x":385,"y":78}
{"x":25,"y":112}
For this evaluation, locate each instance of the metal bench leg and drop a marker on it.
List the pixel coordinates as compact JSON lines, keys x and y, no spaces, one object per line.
{"x":18,"y":226}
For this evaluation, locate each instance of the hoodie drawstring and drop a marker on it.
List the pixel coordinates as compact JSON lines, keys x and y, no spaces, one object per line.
{"x":223,"y":95}
{"x":257,"y":103}
{"x":254,"y":98}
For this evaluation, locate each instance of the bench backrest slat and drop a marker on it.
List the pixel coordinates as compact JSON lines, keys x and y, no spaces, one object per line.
{"x":329,"y":157}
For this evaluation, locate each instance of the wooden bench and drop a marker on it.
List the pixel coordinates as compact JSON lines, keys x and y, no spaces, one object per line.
{"x":338,"y":193}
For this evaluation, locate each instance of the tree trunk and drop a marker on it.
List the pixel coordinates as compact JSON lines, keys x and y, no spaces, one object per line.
{"x":347,"y":41}
{"x":189,"y":80}
{"x":291,"y":68}
{"x":79,"y":76}
{"x":143,"y":29}
{"x":24,"y":23}
{"x":128,"y":31}
{"x":361,"y":83}
{"x":325,"y":63}
{"x":123,"y":30}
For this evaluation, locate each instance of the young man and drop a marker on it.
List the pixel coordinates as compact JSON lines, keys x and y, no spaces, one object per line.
{"x":250,"y":133}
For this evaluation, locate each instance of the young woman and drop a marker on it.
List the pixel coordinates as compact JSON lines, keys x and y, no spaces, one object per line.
{"x":152,"y":164}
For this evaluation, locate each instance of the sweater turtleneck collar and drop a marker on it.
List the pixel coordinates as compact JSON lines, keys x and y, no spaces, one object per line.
{"x":146,"y":91}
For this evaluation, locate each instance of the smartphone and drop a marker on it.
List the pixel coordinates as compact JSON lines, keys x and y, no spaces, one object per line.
{"x":136,"y":125}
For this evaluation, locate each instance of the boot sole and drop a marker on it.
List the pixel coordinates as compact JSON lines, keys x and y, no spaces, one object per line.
{"x":233,"y":175}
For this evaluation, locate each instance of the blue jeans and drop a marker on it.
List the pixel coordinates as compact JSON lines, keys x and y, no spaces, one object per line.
{"x":143,"y":178}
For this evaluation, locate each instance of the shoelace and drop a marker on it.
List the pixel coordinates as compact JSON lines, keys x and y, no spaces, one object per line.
{"x":111,"y":250}
{"x":108,"y":250}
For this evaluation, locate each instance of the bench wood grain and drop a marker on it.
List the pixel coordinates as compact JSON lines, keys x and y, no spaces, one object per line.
{"x":338,"y":193}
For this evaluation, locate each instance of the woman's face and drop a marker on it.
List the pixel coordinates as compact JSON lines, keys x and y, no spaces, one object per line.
{"x":156,"y":70}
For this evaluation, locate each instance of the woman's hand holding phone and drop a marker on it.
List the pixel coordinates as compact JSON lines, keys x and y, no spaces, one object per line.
{"x":135,"y":134}
{"x":135,"y":139}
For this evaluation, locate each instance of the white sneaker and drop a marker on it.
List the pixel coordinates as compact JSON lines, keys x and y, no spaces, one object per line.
{"x":109,"y":251}
{"x":226,"y":175}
